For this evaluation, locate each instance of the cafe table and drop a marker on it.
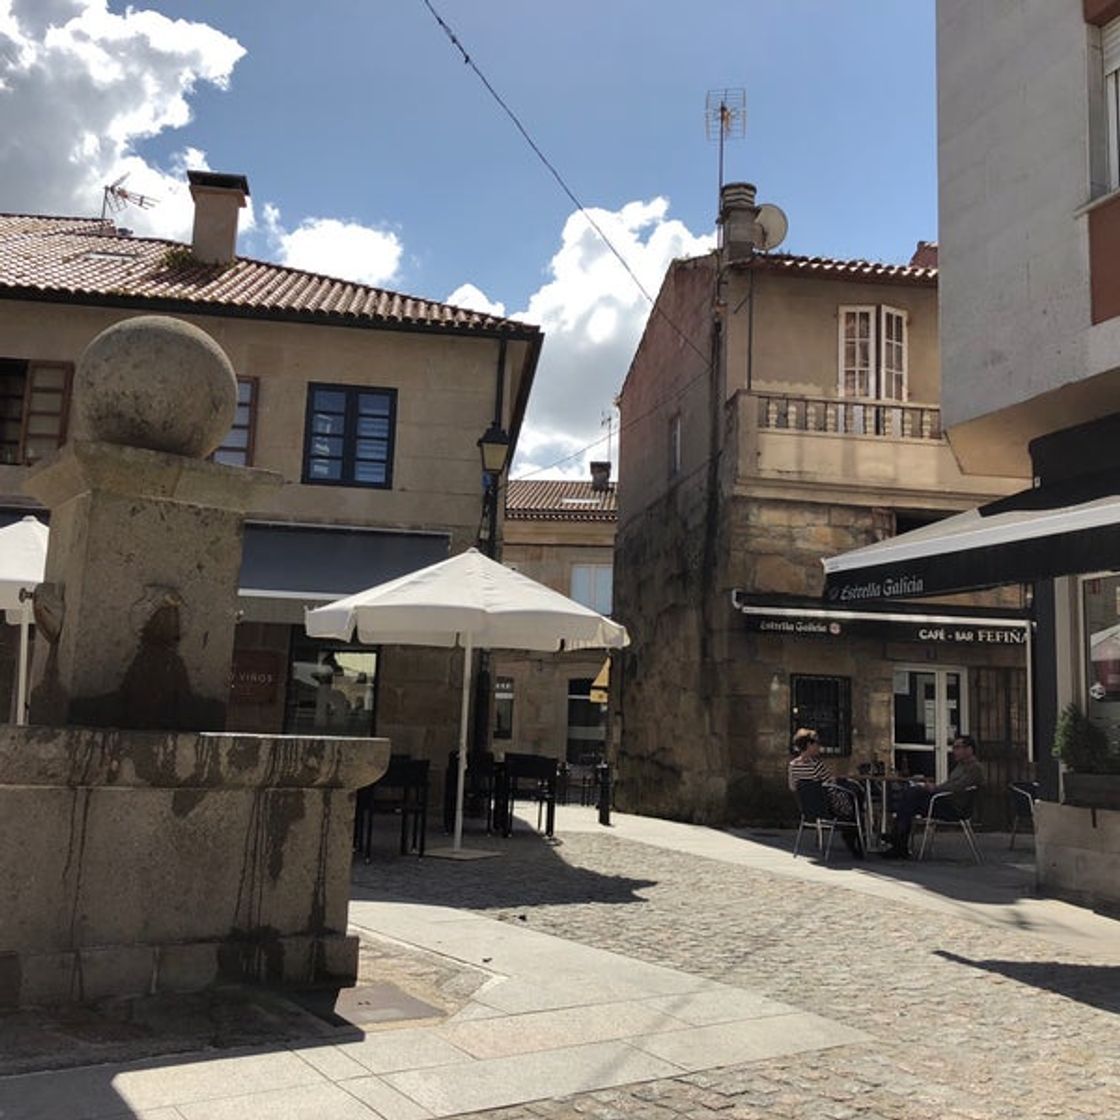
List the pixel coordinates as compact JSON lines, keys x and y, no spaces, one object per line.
{"x":887,"y":783}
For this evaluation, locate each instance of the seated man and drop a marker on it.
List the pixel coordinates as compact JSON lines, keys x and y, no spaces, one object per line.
{"x":966,"y":772}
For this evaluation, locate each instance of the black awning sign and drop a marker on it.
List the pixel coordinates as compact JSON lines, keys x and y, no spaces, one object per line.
{"x":925,"y":632}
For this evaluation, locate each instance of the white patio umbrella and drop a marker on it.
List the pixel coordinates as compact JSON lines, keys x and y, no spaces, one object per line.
{"x":470,"y":601}
{"x":23,"y":557}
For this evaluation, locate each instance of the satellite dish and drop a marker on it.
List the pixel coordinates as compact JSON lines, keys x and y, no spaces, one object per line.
{"x":774,"y":225}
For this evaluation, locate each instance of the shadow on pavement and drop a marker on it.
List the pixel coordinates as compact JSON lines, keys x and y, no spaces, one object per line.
{"x":1095,"y":985}
{"x":527,"y":871}
{"x":1004,"y":877}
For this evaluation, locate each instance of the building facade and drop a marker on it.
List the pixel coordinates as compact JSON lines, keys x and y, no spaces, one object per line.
{"x":1029,"y":167}
{"x":369,"y":403}
{"x":780,"y":409}
{"x":560,"y":533}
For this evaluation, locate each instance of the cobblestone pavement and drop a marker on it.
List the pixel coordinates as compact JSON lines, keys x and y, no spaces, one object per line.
{"x":970,"y":1022}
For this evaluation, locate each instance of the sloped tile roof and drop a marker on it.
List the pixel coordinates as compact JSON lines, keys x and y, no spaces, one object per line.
{"x":830,"y":268}
{"x":87,"y":260}
{"x":552,"y":499}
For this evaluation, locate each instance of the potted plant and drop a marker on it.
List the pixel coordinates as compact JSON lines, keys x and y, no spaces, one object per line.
{"x":1093,"y":763}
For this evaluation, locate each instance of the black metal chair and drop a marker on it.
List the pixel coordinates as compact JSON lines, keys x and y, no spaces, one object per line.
{"x":1022,"y":796}
{"x":402,"y":790}
{"x":942,"y":812}
{"x":481,"y":786}
{"x":812,"y":800}
{"x":534,"y":778}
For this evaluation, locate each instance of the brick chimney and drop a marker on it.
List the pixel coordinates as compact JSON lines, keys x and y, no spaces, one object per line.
{"x":217,"y":198}
{"x":925,"y":255}
{"x":601,"y":475}
{"x":739,"y":231}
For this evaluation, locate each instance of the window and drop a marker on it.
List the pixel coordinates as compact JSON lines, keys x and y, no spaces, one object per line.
{"x":1110,"y":50}
{"x":824,"y":704}
{"x":349,"y":440}
{"x":674,"y":445}
{"x":34,"y":409}
{"x":593,"y":586}
{"x":332,"y":688}
{"x":503,"y":708}
{"x":873,"y":353}
{"x":587,"y":724}
{"x":237,"y":447}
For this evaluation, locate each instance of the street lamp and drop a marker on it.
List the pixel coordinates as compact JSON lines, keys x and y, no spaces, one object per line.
{"x":493,"y":446}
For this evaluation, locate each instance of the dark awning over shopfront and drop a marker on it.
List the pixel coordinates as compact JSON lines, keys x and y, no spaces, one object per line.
{"x":1009,"y":541}
{"x":936,"y":627}
{"x":287,"y":567}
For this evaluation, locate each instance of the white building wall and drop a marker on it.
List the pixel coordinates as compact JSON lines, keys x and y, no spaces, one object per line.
{"x":1014,"y":151}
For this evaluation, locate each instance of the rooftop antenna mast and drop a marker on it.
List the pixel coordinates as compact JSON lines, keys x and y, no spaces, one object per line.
{"x":115,"y":198}
{"x":725,"y":118}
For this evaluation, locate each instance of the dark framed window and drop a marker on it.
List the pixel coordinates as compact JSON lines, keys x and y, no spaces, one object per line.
{"x":503,"y":708}
{"x":332,"y":687}
{"x":349,"y":436}
{"x":587,"y":724}
{"x":237,"y":448}
{"x":824,"y":704}
{"x":34,"y":409}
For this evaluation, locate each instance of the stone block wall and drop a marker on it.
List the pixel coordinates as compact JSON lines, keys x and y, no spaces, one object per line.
{"x":139,"y":862}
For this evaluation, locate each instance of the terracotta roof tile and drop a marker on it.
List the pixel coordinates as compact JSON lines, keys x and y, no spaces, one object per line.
{"x":552,"y":499}
{"x":87,"y":259}
{"x":828,"y":268}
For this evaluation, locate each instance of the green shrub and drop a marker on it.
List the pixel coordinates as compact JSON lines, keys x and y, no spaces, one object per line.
{"x":1083,"y":745}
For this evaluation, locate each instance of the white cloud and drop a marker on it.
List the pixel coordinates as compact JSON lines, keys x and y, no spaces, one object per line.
{"x":348,"y":250}
{"x":474,"y":299}
{"x":593,"y":314}
{"x":81,"y":87}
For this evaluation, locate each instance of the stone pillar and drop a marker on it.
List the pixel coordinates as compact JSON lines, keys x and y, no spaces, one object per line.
{"x":139,"y":601}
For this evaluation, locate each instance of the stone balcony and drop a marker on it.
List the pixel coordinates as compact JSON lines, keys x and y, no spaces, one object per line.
{"x":890,"y":453}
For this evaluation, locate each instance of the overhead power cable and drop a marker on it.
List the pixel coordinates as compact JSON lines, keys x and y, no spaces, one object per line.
{"x":685,"y":338}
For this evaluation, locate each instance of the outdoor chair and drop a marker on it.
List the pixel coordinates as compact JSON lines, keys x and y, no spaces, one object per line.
{"x":942,"y":813}
{"x":533,"y":778}
{"x":402,"y":791}
{"x":812,"y":799}
{"x":1022,"y":796}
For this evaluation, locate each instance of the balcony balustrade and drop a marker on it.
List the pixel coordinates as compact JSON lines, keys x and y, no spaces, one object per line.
{"x":850,"y":416}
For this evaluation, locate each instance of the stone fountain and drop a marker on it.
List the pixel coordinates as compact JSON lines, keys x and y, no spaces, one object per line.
{"x":142,"y":849}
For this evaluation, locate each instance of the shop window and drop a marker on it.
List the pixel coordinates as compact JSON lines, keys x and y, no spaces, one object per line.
{"x":34,"y":409}
{"x":1100,"y":604}
{"x":349,"y":437}
{"x":237,"y":448}
{"x":332,"y":688}
{"x":824,"y":704}
{"x":593,"y":586}
{"x":503,"y":708}
{"x":587,"y":724}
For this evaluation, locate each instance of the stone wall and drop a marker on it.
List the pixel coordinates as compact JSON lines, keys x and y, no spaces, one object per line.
{"x":146,"y":862}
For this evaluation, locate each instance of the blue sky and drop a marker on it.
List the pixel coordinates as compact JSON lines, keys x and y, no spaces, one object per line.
{"x":373,"y":151}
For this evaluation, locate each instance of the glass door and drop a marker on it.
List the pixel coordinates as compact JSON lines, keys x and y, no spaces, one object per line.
{"x":930,"y":710}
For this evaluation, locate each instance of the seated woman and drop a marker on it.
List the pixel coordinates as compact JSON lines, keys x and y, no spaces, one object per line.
{"x":806,"y":765}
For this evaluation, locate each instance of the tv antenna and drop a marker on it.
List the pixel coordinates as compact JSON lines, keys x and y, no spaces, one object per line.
{"x":115,"y":198}
{"x":725,"y":118}
{"x":606,"y":420}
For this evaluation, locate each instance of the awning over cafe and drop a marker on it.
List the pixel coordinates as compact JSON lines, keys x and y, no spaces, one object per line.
{"x":285,"y":568}
{"x":1009,"y":541}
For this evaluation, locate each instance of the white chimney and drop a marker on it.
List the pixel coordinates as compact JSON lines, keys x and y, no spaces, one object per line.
{"x":217,"y":198}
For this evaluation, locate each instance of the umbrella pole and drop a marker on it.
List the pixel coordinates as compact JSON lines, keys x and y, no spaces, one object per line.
{"x":464,"y":715}
{"x":21,"y":688}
